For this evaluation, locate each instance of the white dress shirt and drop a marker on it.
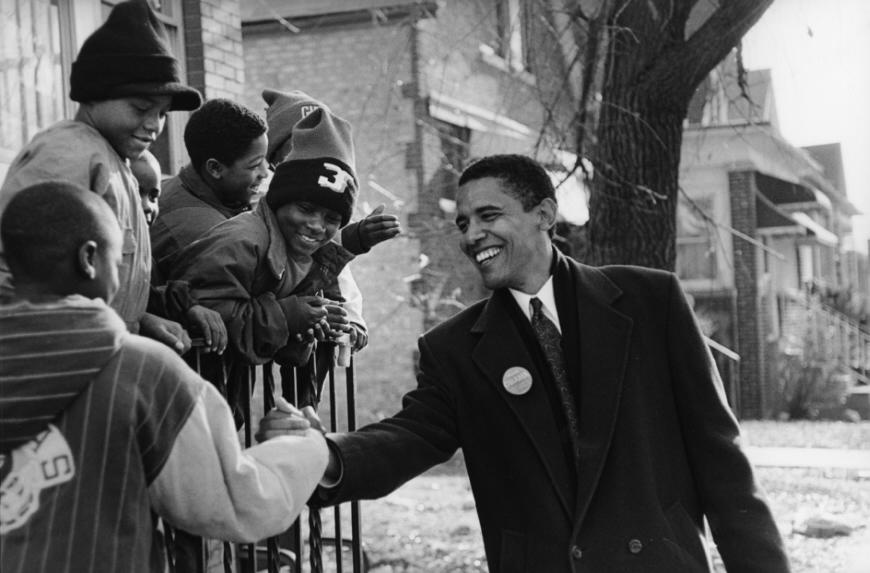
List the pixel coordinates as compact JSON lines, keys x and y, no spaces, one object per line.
{"x":548,"y":300}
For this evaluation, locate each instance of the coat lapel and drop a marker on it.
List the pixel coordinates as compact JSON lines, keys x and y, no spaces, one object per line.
{"x":501,"y":347}
{"x":604,"y":343}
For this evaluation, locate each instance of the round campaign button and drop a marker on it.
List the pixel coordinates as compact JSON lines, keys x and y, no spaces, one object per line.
{"x":517,"y":380}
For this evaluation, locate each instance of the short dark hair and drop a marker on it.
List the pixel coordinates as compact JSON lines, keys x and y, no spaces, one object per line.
{"x":45,"y":223}
{"x":523,"y":177}
{"x":221,"y":129}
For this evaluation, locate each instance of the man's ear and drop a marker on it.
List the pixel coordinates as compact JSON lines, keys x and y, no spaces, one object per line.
{"x":215,"y":168}
{"x":87,"y":255}
{"x":547,"y":211}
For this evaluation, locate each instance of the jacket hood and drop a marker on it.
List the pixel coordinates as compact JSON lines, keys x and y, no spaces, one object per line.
{"x":50,"y":354}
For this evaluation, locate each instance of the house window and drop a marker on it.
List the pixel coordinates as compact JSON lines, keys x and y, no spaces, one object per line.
{"x":35,"y":40}
{"x":696,"y":251}
{"x":509,"y":44}
{"x":454,"y":142}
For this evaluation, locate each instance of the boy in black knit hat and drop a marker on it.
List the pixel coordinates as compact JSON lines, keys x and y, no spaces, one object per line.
{"x":265,"y":271}
{"x":126,"y":80}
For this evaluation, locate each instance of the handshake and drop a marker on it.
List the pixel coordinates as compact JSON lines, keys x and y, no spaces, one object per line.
{"x":287,"y":420}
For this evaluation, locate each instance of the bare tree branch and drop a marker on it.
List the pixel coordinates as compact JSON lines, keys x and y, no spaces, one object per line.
{"x":687,"y":64}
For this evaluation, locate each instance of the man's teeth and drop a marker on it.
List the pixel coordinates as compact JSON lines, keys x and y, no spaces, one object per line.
{"x":308,"y":239}
{"x":487,"y":254}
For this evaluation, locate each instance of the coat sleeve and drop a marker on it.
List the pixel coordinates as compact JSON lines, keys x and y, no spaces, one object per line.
{"x":732,"y":499}
{"x":210,"y":487}
{"x":222,"y":268}
{"x":380,"y":457}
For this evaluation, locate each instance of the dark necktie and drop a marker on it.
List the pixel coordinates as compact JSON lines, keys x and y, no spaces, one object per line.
{"x":550,"y":340}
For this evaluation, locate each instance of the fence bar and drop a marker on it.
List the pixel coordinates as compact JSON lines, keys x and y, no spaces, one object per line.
{"x":247,"y":384}
{"x":333,"y":427}
{"x":355,"y":521}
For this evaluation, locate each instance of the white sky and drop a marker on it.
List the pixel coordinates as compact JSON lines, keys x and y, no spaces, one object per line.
{"x":818,"y":52}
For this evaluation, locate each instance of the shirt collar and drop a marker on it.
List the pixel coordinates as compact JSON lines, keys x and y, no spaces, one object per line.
{"x":548,"y":300}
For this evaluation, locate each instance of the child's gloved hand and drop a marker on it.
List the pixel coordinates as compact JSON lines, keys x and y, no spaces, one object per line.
{"x":377,"y":228}
{"x":212,"y":326}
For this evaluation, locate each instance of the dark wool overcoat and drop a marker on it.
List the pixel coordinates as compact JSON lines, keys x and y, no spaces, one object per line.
{"x":660,"y":449}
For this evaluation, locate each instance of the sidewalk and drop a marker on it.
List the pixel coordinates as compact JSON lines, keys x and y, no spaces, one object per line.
{"x":809,"y":458}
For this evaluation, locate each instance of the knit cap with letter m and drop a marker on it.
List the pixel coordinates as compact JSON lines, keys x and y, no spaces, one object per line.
{"x":284,"y":112}
{"x":320,"y":167}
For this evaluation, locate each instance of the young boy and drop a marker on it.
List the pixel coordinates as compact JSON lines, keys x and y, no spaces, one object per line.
{"x":227,"y":146}
{"x":284,"y":111}
{"x":117,"y":426}
{"x":146,"y":171}
{"x":172,"y":299}
{"x":263,"y":271}
{"x":126,"y":81}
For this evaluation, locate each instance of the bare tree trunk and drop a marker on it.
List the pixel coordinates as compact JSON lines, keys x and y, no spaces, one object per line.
{"x":634,"y":188}
{"x":636,"y":92}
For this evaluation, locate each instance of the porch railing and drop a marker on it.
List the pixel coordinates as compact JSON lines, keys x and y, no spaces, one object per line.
{"x":838,"y":336}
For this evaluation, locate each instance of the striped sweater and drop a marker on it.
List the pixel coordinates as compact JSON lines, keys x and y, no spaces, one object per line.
{"x":101,"y":430}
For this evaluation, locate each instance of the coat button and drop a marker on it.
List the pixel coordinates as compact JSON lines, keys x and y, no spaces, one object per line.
{"x":635,"y":546}
{"x":576,"y":553}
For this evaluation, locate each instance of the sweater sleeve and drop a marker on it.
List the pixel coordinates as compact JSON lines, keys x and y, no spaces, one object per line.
{"x":210,"y":487}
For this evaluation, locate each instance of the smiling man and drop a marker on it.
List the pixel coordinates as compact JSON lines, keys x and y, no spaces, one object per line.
{"x":593,"y":422}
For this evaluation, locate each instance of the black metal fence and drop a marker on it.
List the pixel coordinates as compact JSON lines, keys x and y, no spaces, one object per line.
{"x":284,"y":553}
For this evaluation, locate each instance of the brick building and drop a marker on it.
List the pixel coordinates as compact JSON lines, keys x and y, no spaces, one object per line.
{"x":426,"y":86}
{"x":760,"y":224}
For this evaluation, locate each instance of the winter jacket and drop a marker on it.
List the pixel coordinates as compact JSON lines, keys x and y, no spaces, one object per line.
{"x":75,"y":152}
{"x":242,"y":270}
{"x":188,"y":208}
{"x":99,"y":428}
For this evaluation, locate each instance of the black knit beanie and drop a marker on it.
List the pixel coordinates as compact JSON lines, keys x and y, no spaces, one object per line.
{"x":320,"y":166}
{"x":284,"y":111}
{"x":128,"y":56}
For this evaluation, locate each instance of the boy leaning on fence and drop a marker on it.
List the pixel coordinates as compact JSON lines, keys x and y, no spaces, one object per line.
{"x":100,"y":428}
{"x":125,"y":80}
{"x":270,"y":272}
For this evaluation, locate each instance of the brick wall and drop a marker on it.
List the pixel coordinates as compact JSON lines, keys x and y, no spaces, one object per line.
{"x":213,"y":45}
{"x":749,"y":335}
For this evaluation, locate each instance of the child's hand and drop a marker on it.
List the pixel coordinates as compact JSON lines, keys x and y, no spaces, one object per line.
{"x":377,"y":228}
{"x":335,"y":324}
{"x":312,"y":310}
{"x":283,"y":420}
{"x":166,"y":331}
{"x":212,"y":327}
{"x":359,"y":338}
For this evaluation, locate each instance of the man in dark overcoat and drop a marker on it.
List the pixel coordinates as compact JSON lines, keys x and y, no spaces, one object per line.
{"x":594,"y":424}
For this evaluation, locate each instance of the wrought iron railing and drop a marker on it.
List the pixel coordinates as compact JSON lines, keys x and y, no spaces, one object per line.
{"x":283,"y":553}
